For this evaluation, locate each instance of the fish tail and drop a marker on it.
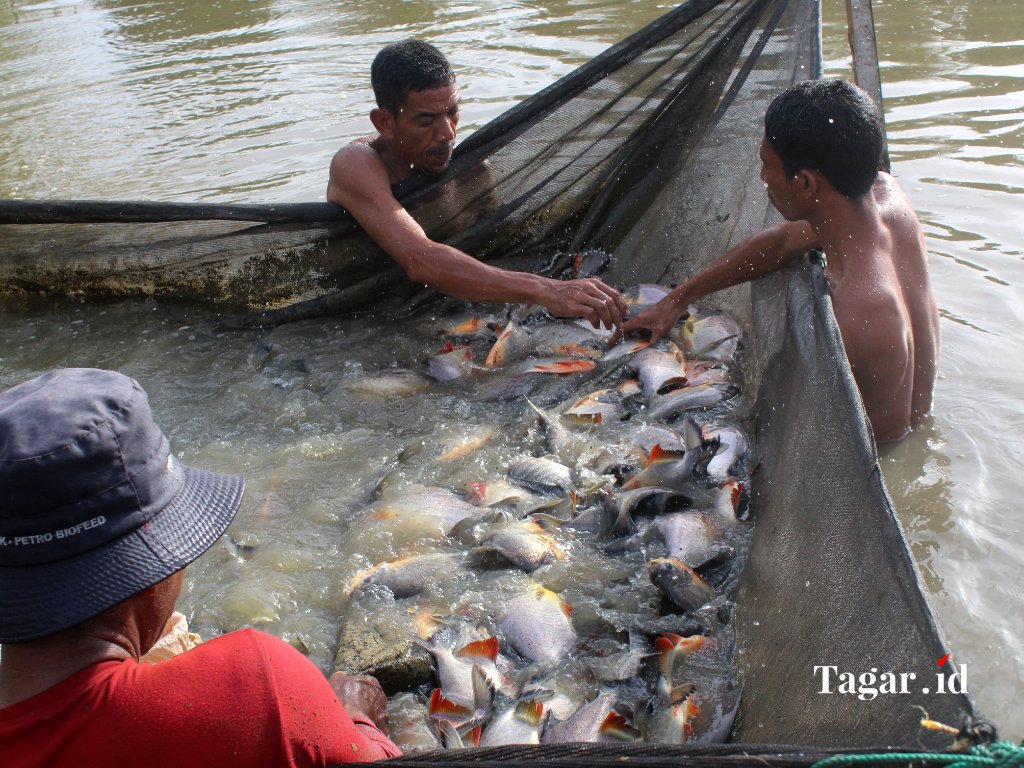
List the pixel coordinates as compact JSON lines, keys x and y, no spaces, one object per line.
{"x":446,"y":709}
{"x":483,"y":649}
{"x":530,"y":711}
{"x":616,"y":725}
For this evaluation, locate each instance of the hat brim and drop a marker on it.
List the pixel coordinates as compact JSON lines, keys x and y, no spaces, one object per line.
{"x":37,"y":601}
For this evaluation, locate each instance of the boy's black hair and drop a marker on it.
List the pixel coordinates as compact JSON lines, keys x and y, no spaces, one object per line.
{"x":407,"y":65}
{"x":830,"y":126}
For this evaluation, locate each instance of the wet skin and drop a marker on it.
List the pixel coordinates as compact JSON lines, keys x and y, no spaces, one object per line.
{"x":419,"y":139}
{"x":878,"y":274}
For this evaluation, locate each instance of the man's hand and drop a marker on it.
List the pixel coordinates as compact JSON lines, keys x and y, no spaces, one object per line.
{"x":658,"y":319}
{"x":361,"y":695}
{"x":588,"y":298}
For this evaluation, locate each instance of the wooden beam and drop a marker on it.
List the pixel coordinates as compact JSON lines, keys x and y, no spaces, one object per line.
{"x":861,"y":24}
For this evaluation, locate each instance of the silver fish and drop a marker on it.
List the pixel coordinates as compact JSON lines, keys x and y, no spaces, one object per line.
{"x":391,"y":383}
{"x":643,"y":437}
{"x":645,"y":294}
{"x":670,"y":470}
{"x":600,"y":407}
{"x":454,"y":737}
{"x":517,"y":723}
{"x":623,"y":348}
{"x":594,"y":722}
{"x":669,"y":723}
{"x":524,"y":543}
{"x":567,"y":339}
{"x":537,"y":624}
{"x":409,"y":724}
{"x":690,"y":536}
{"x":568,"y":441}
{"x":710,"y":336}
{"x":513,"y":344}
{"x":659,"y":371}
{"x":407,"y":576}
{"x":680,"y":583}
{"x":732,"y":449}
{"x":563,"y":690}
{"x":450,"y":363}
{"x":456,"y":669}
{"x":542,"y":474}
{"x":624,"y":507}
{"x":690,"y":399}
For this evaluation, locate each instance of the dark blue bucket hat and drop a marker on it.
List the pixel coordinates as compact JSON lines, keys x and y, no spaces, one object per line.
{"x":94,"y":507}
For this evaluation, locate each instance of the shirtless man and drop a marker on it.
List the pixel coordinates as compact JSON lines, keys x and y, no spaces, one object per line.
{"x":416,"y":117}
{"x":819,"y":156}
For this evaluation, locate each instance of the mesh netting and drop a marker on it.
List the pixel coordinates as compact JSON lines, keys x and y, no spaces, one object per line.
{"x":650,"y":152}
{"x":646,"y":146}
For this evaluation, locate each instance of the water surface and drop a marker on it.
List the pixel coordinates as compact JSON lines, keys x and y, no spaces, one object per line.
{"x":246,"y":101}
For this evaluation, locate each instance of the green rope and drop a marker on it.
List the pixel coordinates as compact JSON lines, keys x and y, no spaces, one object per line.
{"x":1002,"y":754}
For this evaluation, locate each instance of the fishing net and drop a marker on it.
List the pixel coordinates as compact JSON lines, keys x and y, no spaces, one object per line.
{"x":648,"y":152}
{"x":646,"y":147}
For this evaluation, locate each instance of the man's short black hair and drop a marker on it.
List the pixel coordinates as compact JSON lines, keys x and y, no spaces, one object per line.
{"x":408,"y":65}
{"x":830,"y":126}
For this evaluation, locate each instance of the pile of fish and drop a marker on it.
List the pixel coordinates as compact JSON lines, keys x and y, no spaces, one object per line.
{"x":569,"y":570}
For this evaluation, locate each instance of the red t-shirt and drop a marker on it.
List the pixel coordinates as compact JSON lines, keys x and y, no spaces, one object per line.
{"x":245,"y":698}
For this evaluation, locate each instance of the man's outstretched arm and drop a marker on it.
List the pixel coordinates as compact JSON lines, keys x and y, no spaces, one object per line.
{"x":360,"y":183}
{"x":758,"y":255}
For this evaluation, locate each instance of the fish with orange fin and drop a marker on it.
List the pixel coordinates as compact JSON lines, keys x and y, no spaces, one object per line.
{"x":559,"y":366}
{"x":450,"y":363}
{"x":407,"y":576}
{"x":524,"y":543}
{"x":659,"y":371}
{"x":674,"y":652}
{"x":467,"y":668}
{"x":538,"y":625}
{"x":667,"y":469}
{"x":513,"y":344}
{"x":467,"y":326}
{"x":517,"y":722}
{"x":467,"y":445}
{"x":588,"y":262}
{"x":454,"y":737}
{"x":626,"y":347}
{"x":443,"y":709}
{"x":709,"y":336}
{"x":671,"y":722}
{"x":596,"y":721}
{"x":680,"y":583}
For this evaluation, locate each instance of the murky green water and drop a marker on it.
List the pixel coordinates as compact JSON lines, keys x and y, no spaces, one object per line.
{"x":247,"y":101}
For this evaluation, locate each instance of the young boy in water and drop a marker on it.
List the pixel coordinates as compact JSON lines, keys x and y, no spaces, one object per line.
{"x":819,"y":158}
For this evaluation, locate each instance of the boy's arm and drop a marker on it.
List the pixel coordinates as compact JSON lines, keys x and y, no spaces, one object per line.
{"x":758,"y":255}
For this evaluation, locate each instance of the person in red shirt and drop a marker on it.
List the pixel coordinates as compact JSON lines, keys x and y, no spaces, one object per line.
{"x":98,"y":521}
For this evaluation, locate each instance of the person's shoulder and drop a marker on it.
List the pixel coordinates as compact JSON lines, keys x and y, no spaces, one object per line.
{"x":358,"y":153}
{"x":888,"y":193}
{"x":358,"y":171}
{"x":244,"y":645}
{"x":896,"y":209}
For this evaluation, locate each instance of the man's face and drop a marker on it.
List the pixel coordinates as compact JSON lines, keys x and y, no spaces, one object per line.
{"x":778,"y":182}
{"x":424,"y":129}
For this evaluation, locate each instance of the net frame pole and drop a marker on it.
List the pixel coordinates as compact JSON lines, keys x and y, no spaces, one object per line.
{"x":864,"y":47}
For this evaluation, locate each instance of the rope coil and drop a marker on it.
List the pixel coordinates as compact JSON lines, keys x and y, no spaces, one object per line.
{"x":1002,"y":754}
